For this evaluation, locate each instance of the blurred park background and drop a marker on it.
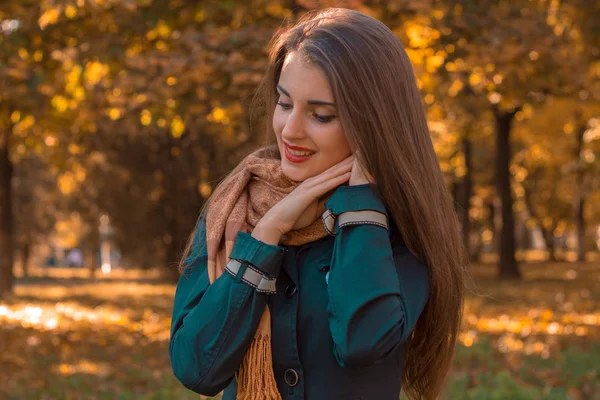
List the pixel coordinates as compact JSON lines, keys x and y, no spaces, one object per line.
{"x":118,"y":117}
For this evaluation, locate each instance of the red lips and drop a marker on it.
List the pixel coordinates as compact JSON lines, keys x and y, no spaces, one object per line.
{"x":298,"y":148}
{"x":293,"y":158}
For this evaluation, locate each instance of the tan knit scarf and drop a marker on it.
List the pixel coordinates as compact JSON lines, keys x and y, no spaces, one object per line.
{"x":246,"y":197}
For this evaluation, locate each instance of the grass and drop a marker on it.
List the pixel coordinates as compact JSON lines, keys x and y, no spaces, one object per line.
{"x":63,"y":336}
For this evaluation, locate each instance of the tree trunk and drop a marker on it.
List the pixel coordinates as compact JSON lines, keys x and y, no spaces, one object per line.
{"x":25,"y":258}
{"x":6,"y":216}
{"x":508,"y":267}
{"x":464,"y":195}
{"x":493,"y":226}
{"x":173,"y":211}
{"x":550,"y":245}
{"x":91,"y":250}
{"x":580,"y":221}
{"x":580,"y":197}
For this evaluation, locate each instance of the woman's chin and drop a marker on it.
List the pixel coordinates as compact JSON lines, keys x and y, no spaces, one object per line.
{"x":296,"y":174}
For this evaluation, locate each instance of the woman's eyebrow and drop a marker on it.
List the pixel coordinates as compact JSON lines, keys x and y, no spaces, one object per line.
{"x":310,"y":102}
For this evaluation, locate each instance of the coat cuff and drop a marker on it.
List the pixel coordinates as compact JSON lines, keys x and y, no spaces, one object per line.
{"x":265,"y":257}
{"x":355,"y":198}
{"x":354,"y":205}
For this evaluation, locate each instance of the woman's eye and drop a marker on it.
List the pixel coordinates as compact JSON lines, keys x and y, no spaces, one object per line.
{"x":283,"y":105}
{"x":324,"y":118}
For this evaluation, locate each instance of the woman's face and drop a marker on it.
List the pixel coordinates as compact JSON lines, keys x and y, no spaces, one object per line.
{"x":309,"y":133}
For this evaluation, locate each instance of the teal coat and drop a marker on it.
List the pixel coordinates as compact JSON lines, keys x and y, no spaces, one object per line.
{"x":344,"y":307}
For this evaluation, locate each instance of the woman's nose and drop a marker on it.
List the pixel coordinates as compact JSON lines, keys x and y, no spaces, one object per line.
{"x":293,"y":128}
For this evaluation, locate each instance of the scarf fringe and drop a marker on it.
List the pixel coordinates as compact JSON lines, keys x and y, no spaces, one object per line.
{"x":255,"y":378}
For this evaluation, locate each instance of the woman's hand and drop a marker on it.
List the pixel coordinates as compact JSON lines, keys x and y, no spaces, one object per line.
{"x":303,"y":205}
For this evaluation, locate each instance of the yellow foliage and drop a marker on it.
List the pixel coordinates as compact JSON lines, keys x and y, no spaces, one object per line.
{"x":519,"y":192}
{"x":569,"y":128}
{"x":79,"y":173}
{"x":49,"y":17}
{"x":276,"y":9}
{"x":50,"y":140}
{"x":537,"y":153}
{"x":416,"y":56}
{"x":200,"y":16}
{"x":114,"y":113}
{"x":15,"y":116}
{"x":133,"y":50}
{"x":521,"y":175}
{"x":160,"y":45}
{"x":151,"y":34}
{"x":588,"y":156}
{"x":437,"y":14}
{"x":69,"y":229}
{"x":527,"y":110}
{"x":475,"y":78}
{"x":71,"y":11}
{"x":534,"y":55}
{"x":72,"y":79}
{"x":38,"y":55}
{"x":66,"y":183}
{"x":487,"y":235}
{"x":162,"y":29}
{"x":177,"y":127}
{"x":434,"y":62}
{"x":146,"y":117}
{"x":494,"y":97}
{"x":24,"y":125}
{"x":455,"y":88}
{"x":420,"y":35}
{"x":23,"y":54}
{"x":204,"y":189}
{"x":218,"y":115}
{"x":79,"y":93}
{"x":60,"y":103}
{"x":75,"y":149}
{"x":95,"y":71}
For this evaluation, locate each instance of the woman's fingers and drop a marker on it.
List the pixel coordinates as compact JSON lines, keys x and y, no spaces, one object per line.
{"x":291,"y":211}
{"x":336,"y":170}
{"x":319,"y":189}
{"x":338,"y":167}
{"x":328,"y":180}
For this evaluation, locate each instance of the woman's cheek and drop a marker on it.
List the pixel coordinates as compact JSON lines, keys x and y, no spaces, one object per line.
{"x":334,"y":145}
{"x":278,"y":122}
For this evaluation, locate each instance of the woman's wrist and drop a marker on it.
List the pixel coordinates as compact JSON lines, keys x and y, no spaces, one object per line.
{"x":266,"y":233}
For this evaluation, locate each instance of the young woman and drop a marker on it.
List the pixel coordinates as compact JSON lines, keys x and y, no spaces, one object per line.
{"x":328,"y":265}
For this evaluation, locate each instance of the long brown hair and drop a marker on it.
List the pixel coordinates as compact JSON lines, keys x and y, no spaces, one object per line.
{"x":380,"y":109}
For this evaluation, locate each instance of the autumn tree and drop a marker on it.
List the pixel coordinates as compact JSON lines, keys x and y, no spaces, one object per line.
{"x":511,"y":55}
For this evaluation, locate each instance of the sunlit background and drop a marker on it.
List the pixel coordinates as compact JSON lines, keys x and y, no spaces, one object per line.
{"x":118,"y":118}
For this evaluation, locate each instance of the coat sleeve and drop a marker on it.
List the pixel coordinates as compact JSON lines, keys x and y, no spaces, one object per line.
{"x":213,"y":325}
{"x":376,"y":290}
